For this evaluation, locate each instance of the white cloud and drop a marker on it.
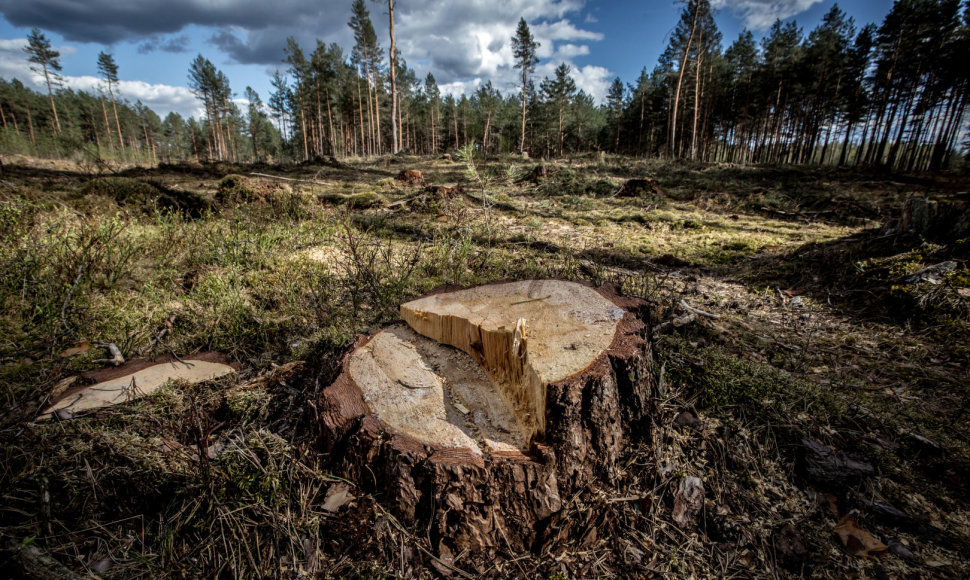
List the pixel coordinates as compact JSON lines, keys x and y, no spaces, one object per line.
{"x":13,"y":59}
{"x":460,"y":41}
{"x":595,"y":80}
{"x":761,"y":14}
{"x":465,"y":42}
{"x":568,"y":50}
{"x":163,"y":99}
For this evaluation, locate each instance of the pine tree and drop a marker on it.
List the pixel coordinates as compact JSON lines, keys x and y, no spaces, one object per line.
{"x":615,"y":101}
{"x":254,"y":110}
{"x":559,"y":93}
{"x":524,"y":48}
{"x":109,"y":72}
{"x":45,"y":60}
{"x":367,"y":54}
{"x":395,"y":119}
{"x":433,"y":93}
{"x":278,"y":100}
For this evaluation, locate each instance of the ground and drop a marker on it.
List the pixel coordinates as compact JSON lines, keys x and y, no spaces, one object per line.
{"x":803,"y":377}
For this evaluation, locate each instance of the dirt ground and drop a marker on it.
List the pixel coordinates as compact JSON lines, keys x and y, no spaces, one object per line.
{"x":813,"y":384}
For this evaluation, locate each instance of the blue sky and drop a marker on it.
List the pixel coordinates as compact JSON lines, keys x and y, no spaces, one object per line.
{"x":463,"y":42}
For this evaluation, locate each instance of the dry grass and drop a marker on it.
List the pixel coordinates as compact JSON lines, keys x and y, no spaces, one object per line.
{"x":817,"y":337}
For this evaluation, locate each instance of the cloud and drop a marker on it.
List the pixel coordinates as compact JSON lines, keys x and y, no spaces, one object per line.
{"x":161,"y":98}
{"x":595,"y":80}
{"x":463,"y":43}
{"x":13,"y":60}
{"x":459,"y":41}
{"x":568,"y":50}
{"x":109,"y":21}
{"x":174,"y":44}
{"x":761,"y":14}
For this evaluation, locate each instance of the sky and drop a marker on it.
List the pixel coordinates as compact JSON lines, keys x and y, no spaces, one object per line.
{"x":464,"y":43}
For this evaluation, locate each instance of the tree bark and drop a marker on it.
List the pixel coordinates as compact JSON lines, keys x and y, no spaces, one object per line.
{"x":395,"y":119}
{"x":680,"y":81}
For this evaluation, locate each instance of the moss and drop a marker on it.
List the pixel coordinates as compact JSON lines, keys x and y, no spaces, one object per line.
{"x":723,"y":382}
{"x":235,"y":188}
{"x":248,"y":404}
{"x":253,"y":468}
{"x":142,"y":196}
{"x":363,"y":200}
{"x":958,"y":279}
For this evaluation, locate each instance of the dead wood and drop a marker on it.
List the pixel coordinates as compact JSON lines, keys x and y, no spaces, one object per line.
{"x":29,"y":561}
{"x":945,"y":221}
{"x":639,"y":188}
{"x":280,"y":177}
{"x":117,"y":359}
{"x":445,"y":191}
{"x":410,"y":177}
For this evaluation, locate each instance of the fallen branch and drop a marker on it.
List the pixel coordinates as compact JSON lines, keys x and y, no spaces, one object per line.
{"x":32,"y":562}
{"x":291,"y":179}
{"x":691,"y":309}
{"x":117,"y":359}
{"x":166,"y":329}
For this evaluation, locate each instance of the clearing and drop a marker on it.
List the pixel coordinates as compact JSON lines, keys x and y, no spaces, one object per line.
{"x":812,"y":384}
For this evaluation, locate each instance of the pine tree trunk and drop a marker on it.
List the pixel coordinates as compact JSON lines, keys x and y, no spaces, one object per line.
{"x":395,"y":109}
{"x":50,"y":94}
{"x":378,"y":138}
{"x":30,"y":126}
{"x":697,"y":95}
{"x":104,"y":114}
{"x":525,"y":79}
{"x":331,"y":139}
{"x":680,"y":81}
{"x":360,"y":107}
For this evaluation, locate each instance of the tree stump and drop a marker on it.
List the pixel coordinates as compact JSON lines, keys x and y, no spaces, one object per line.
{"x":410,"y":177}
{"x":946,"y":221}
{"x":639,"y":188}
{"x":489,"y":407}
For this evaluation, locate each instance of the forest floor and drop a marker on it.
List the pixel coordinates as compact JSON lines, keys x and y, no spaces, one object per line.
{"x":824,"y":389}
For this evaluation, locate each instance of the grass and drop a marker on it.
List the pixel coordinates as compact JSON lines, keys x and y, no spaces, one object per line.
{"x":226,"y":479}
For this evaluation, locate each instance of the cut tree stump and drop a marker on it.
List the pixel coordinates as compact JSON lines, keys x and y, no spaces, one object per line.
{"x":946,"y":221}
{"x":410,"y":176}
{"x":446,"y":191}
{"x":483,"y":413}
{"x":138,"y":378}
{"x":639,"y":188}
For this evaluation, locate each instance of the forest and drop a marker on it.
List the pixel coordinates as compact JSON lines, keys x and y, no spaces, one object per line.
{"x":890,"y":95}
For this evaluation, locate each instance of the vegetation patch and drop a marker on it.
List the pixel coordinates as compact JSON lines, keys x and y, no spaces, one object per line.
{"x":144,"y":196}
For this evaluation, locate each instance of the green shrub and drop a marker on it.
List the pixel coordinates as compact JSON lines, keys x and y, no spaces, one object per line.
{"x":235,"y":188}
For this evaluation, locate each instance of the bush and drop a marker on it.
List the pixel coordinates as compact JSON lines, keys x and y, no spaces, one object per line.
{"x":235,"y":188}
{"x":145,"y":197}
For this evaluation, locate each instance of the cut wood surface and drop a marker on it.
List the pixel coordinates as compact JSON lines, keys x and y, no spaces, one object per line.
{"x":526,"y":334}
{"x":490,"y":406}
{"x":139,"y":380}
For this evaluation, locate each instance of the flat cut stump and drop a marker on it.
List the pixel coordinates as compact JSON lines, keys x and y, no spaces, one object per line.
{"x":133,"y":380}
{"x":491,"y":405}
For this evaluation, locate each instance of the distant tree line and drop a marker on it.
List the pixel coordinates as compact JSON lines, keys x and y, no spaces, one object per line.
{"x":893,"y":95}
